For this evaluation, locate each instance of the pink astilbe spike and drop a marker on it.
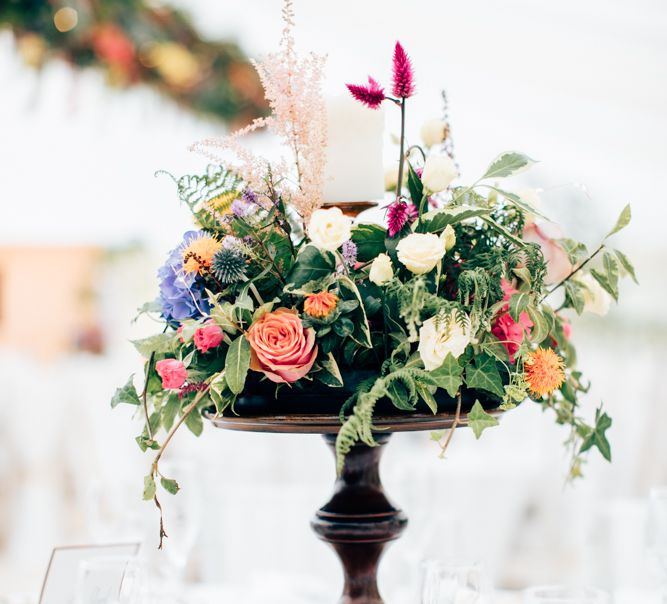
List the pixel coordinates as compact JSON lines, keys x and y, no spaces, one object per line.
{"x":403,"y":78}
{"x":371,"y":95}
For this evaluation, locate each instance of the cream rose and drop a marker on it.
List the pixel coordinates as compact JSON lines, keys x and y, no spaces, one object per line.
{"x":420,"y":252}
{"x":596,"y":299}
{"x":329,"y":229}
{"x":439,"y":172}
{"x":440,"y":336}
{"x":449,"y":237}
{"x":433,"y":132}
{"x":381,"y":270}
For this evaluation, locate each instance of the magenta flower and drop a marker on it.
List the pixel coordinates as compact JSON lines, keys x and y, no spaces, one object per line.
{"x":403,"y":80}
{"x":371,"y":95}
{"x":399,"y":214}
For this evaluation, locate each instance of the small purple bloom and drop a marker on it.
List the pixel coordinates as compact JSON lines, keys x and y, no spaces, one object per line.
{"x":350,"y":252}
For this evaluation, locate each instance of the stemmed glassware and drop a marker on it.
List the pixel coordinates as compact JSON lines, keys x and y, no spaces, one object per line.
{"x":450,"y":583}
{"x":109,"y":580}
{"x":656,"y":534}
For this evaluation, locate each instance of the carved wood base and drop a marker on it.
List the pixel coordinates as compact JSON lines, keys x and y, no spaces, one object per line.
{"x":359,"y":521}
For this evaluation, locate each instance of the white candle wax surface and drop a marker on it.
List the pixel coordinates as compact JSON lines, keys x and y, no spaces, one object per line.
{"x":354,"y":169}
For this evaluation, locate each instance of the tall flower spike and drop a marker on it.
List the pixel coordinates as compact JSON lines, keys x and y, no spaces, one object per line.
{"x":403,"y":79}
{"x":399,"y":214}
{"x":371,"y":95}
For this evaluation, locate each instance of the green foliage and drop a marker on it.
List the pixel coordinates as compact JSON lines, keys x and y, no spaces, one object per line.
{"x":169,"y":485}
{"x":507,"y":164}
{"x":596,"y":437}
{"x":479,"y":420}
{"x":163,"y":343}
{"x":369,"y":239}
{"x":623,"y":220}
{"x":127,"y":394}
{"x":149,"y":487}
{"x":436,"y":221}
{"x":449,"y":375}
{"x":311,"y":264}
{"x":482,"y":372}
{"x":237,"y":362}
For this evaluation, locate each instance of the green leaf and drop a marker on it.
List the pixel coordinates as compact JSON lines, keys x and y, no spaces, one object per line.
{"x":517,"y":305}
{"x":399,"y":397}
{"x":479,"y":420}
{"x":575,"y":250}
{"x":344,"y":327}
{"x":437,"y":220}
{"x":627,"y":265}
{"x":369,"y":239}
{"x":330,"y":373}
{"x":415,"y":186}
{"x":149,"y":487}
{"x":508,"y":164}
{"x":574,"y":296}
{"x":194,"y":422}
{"x":311,"y":264}
{"x":608,"y":279}
{"x":162,"y":343}
{"x":169,"y":410}
{"x":482,"y":372}
{"x":147,"y":443}
{"x":623,"y":221}
{"x":597,"y":437}
{"x":505,"y":232}
{"x":427,"y":397}
{"x":127,"y":394}
{"x":237,"y":363}
{"x":169,"y":485}
{"x":540,"y":329}
{"x":517,"y":201}
{"x":449,"y":375}
{"x":361,"y":333}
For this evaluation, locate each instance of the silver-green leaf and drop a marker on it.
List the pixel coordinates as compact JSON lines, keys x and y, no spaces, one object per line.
{"x":508,"y":164}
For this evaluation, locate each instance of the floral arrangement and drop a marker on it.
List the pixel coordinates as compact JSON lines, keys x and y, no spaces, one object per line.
{"x":139,"y":42}
{"x":459,"y":302}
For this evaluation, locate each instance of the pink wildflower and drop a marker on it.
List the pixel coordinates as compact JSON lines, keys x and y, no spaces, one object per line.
{"x":371,"y":95}
{"x":399,"y":214}
{"x":403,"y":78}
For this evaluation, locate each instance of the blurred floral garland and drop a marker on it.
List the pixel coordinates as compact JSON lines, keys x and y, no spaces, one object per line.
{"x":137,"y":42}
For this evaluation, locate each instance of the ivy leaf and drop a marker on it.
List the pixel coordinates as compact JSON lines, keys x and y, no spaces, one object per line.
{"x":161,"y":343}
{"x":149,"y":487}
{"x":369,"y":239}
{"x":479,"y":420}
{"x":622,"y":221}
{"x":508,"y":164}
{"x":311,"y":264}
{"x":170,"y":485}
{"x":627,"y":265}
{"x":517,"y":305}
{"x":237,"y":362}
{"x":127,"y":394}
{"x":448,"y":375}
{"x":482,"y":372}
{"x":597,"y":436}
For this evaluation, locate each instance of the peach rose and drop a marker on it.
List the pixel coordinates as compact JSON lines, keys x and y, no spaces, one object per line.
{"x":281,"y":348}
{"x":172,"y":372}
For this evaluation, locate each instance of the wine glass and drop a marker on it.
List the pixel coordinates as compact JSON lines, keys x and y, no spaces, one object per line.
{"x":109,"y":580}
{"x":656,"y":537}
{"x":564,"y":595}
{"x":446,"y":582}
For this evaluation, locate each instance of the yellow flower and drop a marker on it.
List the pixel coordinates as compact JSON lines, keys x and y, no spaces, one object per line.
{"x":198,"y":255}
{"x":543,"y":371}
{"x":222,"y":204}
{"x":320,"y":305}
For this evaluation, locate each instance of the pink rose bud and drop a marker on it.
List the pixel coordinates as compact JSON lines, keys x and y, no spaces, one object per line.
{"x":179,"y":331}
{"x":172,"y":372}
{"x":207,"y":337}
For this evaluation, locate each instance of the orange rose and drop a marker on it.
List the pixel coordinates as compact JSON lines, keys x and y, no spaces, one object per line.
{"x":281,"y":348}
{"x":320,"y":305}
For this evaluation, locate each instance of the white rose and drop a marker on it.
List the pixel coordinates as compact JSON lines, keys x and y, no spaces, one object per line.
{"x":439,"y":172}
{"x":329,"y":229}
{"x":440,"y":336}
{"x":449,"y":237}
{"x":596,"y":299}
{"x":381,"y":270}
{"x":434,"y":132}
{"x":420,"y":252}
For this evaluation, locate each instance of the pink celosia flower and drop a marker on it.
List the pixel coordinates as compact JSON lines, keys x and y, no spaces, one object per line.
{"x":399,"y":214}
{"x":506,"y":329}
{"x":371,"y":95}
{"x":403,"y":79}
{"x":172,"y":372}
{"x":207,"y":337}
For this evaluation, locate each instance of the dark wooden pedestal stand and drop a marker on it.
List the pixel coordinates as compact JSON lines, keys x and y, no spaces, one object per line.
{"x":358,"y":521}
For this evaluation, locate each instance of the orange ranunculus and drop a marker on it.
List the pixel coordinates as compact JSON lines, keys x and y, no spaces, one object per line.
{"x":320,"y":305}
{"x":280,"y":347}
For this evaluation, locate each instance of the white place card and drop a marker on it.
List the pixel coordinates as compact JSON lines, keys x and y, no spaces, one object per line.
{"x":61,"y":575}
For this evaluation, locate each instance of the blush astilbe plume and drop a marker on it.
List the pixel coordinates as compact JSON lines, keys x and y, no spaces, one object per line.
{"x":293,"y":88}
{"x":371,"y":95}
{"x":403,"y":74}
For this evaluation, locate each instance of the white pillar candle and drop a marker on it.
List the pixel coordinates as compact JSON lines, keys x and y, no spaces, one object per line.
{"x":354,"y":169}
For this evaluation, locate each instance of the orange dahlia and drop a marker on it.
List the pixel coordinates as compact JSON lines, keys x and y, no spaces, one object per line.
{"x":320,"y":305}
{"x":543,"y":371}
{"x":198,"y":254}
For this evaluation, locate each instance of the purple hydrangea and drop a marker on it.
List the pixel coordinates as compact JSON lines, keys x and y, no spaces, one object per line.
{"x":182,"y":295}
